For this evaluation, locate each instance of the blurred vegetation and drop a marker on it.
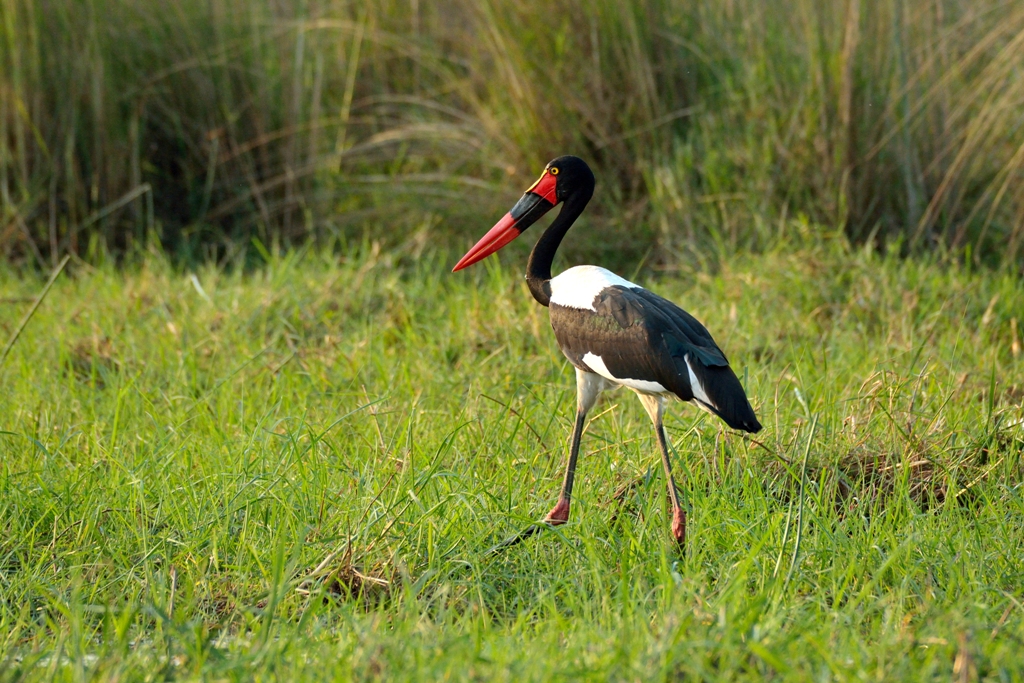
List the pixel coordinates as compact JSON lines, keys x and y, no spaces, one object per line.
{"x":210,"y":125}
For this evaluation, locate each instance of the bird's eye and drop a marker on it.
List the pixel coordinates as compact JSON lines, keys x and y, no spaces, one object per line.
{"x":554,"y":171}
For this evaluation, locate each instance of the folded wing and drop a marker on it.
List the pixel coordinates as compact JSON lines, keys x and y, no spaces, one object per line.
{"x":639,"y":335}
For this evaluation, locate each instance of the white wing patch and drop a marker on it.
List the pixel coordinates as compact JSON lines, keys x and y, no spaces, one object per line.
{"x":597,"y":365}
{"x":577,"y":287}
{"x":695,"y":387}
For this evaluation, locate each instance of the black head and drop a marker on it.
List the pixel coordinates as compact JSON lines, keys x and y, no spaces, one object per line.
{"x":572,"y":176}
{"x":565,"y":179}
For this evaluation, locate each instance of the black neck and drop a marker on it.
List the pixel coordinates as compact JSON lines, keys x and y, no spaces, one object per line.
{"x":538,"y":269}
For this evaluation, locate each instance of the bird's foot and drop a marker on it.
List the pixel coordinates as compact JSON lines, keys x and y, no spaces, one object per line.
{"x":559,"y":514}
{"x":517,"y":539}
{"x":679,"y":526}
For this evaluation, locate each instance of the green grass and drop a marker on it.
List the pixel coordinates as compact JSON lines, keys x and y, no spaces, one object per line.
{"x":179,"y":453}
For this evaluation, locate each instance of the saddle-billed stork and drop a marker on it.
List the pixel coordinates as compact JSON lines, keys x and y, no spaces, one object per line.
{"x":614,"y":332}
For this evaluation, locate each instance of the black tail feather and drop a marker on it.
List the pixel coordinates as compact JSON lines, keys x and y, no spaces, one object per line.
{"x":728,"y":400}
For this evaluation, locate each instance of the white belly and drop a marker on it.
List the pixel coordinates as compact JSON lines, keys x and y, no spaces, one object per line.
{"x":642,"y":385}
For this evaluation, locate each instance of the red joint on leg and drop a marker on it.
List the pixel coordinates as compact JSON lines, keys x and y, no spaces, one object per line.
{"x":679,"y":526}
{"x":559,"y":514}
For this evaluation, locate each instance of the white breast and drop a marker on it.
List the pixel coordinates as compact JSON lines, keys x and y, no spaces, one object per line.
{"x":577,"y":287}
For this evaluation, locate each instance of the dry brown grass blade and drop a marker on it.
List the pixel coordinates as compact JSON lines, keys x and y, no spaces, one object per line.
{"x":32,"y":311}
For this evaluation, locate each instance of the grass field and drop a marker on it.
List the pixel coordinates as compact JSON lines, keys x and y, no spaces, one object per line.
{"x":181,"y":452}
{"x":239,"y":439}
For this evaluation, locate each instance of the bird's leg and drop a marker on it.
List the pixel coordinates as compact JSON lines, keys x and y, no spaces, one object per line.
{"x":678,"y":515}
{"x":655,"y":406}
{"x":588,"y":387}
{"x":560,"y":513}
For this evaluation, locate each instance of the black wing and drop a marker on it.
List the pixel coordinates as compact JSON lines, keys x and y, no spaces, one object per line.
{"x":640,"y":335}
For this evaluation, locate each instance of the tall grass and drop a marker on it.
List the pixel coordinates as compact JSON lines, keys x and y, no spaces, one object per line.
{"x":209,"y":123}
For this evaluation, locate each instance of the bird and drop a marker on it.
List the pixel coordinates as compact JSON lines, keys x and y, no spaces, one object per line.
{"x":614,"y":332}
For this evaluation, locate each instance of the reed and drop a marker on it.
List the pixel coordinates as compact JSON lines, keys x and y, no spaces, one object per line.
{"x":208,"y":124}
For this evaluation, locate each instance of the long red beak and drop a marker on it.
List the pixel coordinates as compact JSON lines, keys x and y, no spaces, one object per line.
{"x":537,"y":201}
{"x":501,"y":234}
